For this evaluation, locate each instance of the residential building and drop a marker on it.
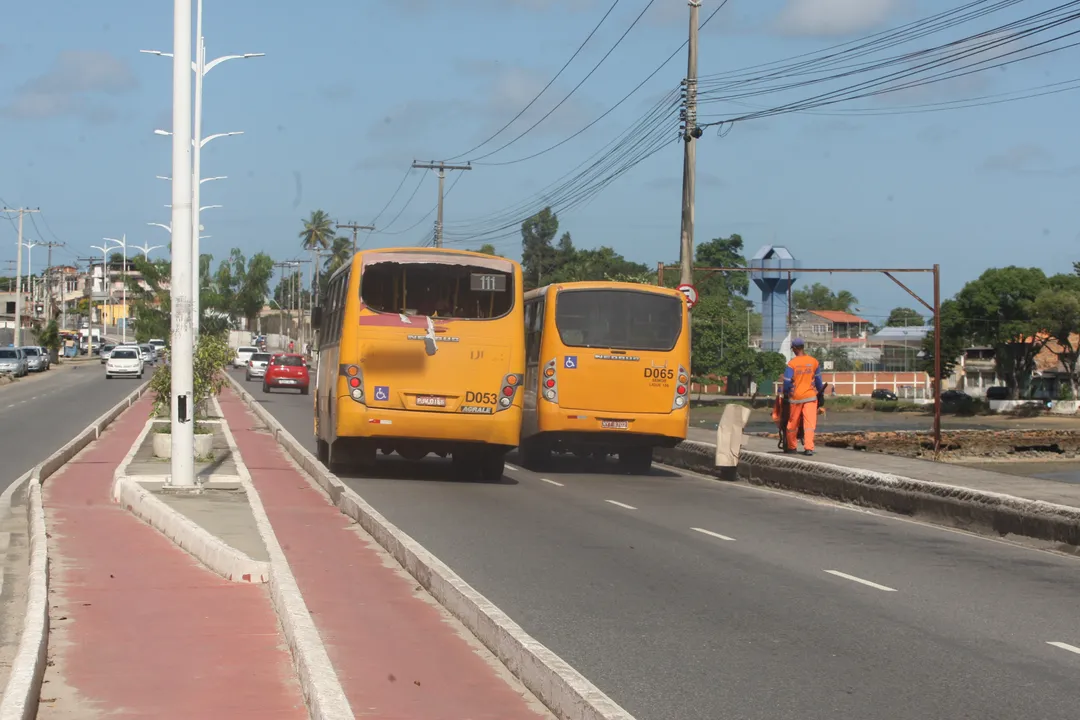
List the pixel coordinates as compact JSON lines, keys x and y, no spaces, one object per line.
{"x":830,"y":328}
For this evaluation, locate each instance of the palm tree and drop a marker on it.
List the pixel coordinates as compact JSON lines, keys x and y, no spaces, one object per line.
{"x":340,"y":253}
{"x":315,"y":237}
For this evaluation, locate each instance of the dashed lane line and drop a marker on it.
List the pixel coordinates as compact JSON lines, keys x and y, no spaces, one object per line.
{"x":622,"y":505}
{"x":716,"y":535}
{"x":1065,"y":646}
{"x":552,"y":482}
{"x":852,"y":578}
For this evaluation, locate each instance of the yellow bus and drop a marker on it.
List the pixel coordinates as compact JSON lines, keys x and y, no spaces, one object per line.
{"x":606,"y":372}
{"x":421,"y":351}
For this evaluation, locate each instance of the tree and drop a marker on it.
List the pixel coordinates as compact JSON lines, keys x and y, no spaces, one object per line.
{"x":997,"y":310}
{"x":537,"y":251}
{"x":318,"y":232}
{"x":904,"y":317}
{"x":725,"y":252}
{"x":820,"y":297}
{"x":340,"y":254}
{"x":954,"y":340}
{"x":487,"y":249}
{"x":1057,"y":311}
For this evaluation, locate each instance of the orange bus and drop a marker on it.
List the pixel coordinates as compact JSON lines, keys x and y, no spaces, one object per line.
{"x":606,"y":372}
{"x":421,"y":351}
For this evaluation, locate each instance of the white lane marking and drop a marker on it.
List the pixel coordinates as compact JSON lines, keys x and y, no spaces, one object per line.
{"x":710,"y":533}
{"x":622,"y":505}
{"x":1065,"y":646}
{"x":512,"y":468}
{"x":852,"y":578}
{"x":552,"y":482}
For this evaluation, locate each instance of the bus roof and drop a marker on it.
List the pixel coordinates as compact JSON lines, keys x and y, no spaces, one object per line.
{"x":602,"y":285}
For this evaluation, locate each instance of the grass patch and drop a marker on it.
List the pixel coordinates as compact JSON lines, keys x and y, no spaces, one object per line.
{"x":200,"y":429}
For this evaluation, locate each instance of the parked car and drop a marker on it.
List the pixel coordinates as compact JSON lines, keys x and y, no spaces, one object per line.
{"x":243,"y":354}
{"x":13,"y":361}
{"x":35,"y":361}
{"x":997,"y":392}
{"x":46,"y":356}
{"x":106,"y":351}
{"x":287,"y":370}
{"x":159,"y":346}
{"x":256,"y":367}
{"x":883,"y":394}
{"x":124,"y":362}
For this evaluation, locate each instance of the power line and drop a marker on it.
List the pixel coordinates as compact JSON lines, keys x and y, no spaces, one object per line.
{"x":442,"y":167}
{"x":544,"y":89}
{"x":403,"y":207}
{"x":575,"y":88}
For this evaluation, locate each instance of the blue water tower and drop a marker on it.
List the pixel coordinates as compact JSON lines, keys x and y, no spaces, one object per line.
{"x":775,"y":262}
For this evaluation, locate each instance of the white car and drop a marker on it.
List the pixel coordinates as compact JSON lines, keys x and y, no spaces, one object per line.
{"x":243,"y":354}
{"x":125,"y":361}
{"x":257,"y":365}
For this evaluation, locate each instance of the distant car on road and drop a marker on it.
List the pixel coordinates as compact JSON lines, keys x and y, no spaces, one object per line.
{"x":256,"y":367}
{"x":243,"y":354}
{"x":149,"y":355}
{"x":159,"y":346}
{"x":124,"y":362}
{"x":883,"y":394}
{"x":13,"y":361}
{"x":106,"y":351}
{"x":287,"y":371}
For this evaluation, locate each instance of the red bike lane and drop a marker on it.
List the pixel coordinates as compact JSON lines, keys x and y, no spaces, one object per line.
{"x":394,"y":653}
{"x":138,"y":627}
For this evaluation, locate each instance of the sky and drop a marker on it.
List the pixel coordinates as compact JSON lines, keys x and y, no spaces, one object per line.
{"x":351,"y":92}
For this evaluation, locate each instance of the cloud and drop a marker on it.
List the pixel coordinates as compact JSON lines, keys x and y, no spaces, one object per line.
{"x":73,"y":86}
{"x":1030,"y":160}
{"x":832,"y":18}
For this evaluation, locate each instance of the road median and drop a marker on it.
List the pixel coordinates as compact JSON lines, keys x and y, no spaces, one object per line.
{"x":972,"y":509}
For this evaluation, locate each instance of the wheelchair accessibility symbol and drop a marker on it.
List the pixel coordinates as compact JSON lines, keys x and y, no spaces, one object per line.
{"x":570,"y":362}
{"x":382,"y":393}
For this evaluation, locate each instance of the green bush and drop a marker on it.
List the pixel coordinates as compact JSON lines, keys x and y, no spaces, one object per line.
{"x":212,"y":354}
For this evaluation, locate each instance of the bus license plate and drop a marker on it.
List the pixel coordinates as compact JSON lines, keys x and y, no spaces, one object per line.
{"x":615,"y":424}
{"x":430,"y":401}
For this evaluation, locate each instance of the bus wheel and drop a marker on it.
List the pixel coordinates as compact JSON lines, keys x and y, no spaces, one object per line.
{"x":492,"y":466}
{"x":636,"y":460}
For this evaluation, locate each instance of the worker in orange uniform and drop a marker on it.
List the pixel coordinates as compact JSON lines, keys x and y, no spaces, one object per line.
{"x":802,"y":384}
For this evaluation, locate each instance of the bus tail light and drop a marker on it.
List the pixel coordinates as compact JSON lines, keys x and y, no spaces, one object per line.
{"x":682,"y":390}
{"x":510,"y":385}
{"x":355,"y":381}
{"x":549,"y":385}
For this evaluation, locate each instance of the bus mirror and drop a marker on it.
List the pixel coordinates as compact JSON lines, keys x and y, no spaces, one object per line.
{"x":316,"y":316}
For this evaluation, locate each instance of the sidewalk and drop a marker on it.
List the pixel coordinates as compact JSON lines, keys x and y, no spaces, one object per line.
{"x":397,"y":655}
{"x":945,"y":473}
{"x":138,"y":627}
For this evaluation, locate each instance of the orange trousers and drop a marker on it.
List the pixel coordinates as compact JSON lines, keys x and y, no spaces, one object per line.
{"x":806,"y":413}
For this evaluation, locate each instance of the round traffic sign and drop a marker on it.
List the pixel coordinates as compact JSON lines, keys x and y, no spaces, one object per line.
{"x":691,"y":294}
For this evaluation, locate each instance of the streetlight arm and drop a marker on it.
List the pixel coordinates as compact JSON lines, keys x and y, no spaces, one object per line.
{"x":159,"y":53}
{"x":217,"y":135}
{"x":160,"y":225}
{"x":217,"y":61}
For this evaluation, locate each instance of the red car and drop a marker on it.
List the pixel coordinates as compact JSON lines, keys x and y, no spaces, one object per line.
{"x":287,"y":370}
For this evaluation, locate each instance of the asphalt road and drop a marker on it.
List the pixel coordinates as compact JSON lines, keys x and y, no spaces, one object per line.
{"x":685,"y":598}
{"x":39,"y":414}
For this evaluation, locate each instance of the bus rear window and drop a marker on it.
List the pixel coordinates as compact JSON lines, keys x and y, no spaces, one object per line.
{"x":618,"y":319}
{"x":438,"y":289}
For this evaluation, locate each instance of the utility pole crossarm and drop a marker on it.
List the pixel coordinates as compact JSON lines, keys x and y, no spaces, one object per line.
{"x":442,"y":168}
{"x":354,"y":227}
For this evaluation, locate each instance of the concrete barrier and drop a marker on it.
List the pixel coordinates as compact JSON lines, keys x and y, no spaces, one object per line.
{"x":210,"y":550}
{"x":965,"y":508}
{"x":23,"y":690}
{"x":567,"y":693}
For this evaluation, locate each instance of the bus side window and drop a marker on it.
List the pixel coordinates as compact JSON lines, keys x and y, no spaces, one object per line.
{"x":531,"y":339}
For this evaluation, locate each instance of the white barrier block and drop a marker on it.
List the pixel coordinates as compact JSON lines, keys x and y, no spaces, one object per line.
{"x":729,"y":435}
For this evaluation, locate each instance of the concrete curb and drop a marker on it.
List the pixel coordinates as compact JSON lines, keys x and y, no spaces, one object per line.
{"x":23,"y":690}
{"x":207,"y":548}
{"x":323,"y":693}
{"x":974,"y":510}
{"x":565,"y":692}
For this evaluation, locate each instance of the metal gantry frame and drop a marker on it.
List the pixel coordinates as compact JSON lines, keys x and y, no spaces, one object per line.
{"x":891,"y":273}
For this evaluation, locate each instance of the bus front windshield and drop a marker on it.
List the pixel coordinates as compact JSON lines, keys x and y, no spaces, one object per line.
{"x":464,"y":289}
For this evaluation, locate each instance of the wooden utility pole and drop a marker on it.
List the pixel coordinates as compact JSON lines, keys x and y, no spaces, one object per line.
{"x":442,"y":168}
{"x":691,"y":132}
{"x":18,"y":272}
{"x":354,"y":227}
{"x":49,"y":279}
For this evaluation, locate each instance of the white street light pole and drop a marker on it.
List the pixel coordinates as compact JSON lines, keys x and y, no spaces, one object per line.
{"x":146,"y":249}
{"x":200,"y":68}
{"x":182,"y":405}
{"x":123,"y":288}
{"x":105,"y":289}
{"x":30,"y":269}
